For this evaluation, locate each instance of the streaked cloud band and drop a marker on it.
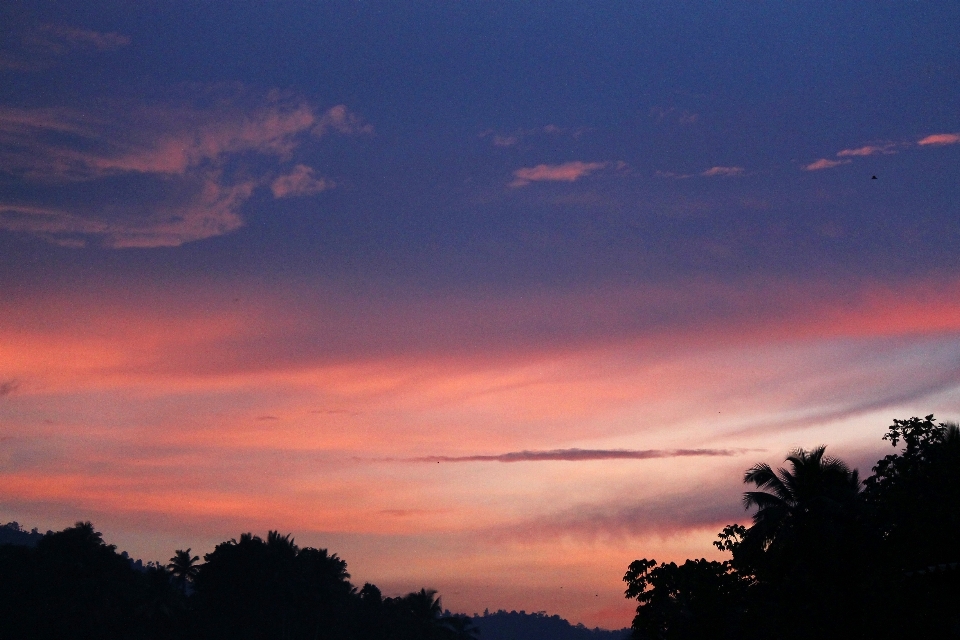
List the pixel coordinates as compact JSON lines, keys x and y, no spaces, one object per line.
{"x":576,"y":455}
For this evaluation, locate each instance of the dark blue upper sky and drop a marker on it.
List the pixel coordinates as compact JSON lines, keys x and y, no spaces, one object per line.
{"x":462,"y":95}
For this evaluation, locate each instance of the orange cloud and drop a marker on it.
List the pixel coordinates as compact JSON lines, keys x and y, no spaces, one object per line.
{"x":566,"y":172}
{"x":939,"y":139}
{"x":824,"y":163}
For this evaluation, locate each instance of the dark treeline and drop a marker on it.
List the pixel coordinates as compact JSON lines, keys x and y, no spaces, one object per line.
{"x":72,"y":585}
{"x":514,"y":625}
{"x":12,"y":533}
{"x":827,"y":555}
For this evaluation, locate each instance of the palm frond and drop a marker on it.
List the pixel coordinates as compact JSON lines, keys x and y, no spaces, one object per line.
{"x":762,"y":500}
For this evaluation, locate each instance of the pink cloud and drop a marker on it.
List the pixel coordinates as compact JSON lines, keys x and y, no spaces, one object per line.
{"x":18,"y":126}
{"x":186,"y":150}
{"x":867,"y":150}
{"x":566,"y":172}
{"x":212,"y":210}
{"x":159,"y":140}
{"x":41,"y":47}
{"x":302,"y":181}
{"x":722,"y":171}
{"x":940,"y":139}
{"x":152,"y":141}
{"x":341,"y":120}
{"x":824,"y":163}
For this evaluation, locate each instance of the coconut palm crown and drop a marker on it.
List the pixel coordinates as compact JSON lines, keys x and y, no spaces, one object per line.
{"x":816,"y":489}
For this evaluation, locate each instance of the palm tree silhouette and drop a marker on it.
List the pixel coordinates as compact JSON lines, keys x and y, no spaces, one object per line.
{"x":425,"y":604}
{"x":282,"y":545}
{"x":183,"y":566}
{"x":816,"y":487}
{"x":806,"y":544}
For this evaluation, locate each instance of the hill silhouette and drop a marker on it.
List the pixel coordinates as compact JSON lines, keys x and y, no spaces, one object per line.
{"x":520,"y":625}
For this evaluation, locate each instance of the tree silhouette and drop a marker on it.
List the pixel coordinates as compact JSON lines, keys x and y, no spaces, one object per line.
{"x":914,"y":505}
{"x":71,"y":585}
{"x":817,"y":491}
{"x":698,"y":600}
{"x":807,"y":548}
{"x":459,"y":627}
{"x":183,"y":566}
{"x":424,"y":604}
{"x":915,"y":494}
{"x":255,"y":588}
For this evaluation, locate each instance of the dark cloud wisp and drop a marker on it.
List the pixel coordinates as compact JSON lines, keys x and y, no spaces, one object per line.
{"x":7,"y":387}
{"x":575,"y":455}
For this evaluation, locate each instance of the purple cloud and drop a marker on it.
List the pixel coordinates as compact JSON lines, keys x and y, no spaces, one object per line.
{"x":578,"y":455}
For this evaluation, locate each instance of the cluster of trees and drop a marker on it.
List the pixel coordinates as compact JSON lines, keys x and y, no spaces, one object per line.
{"x":827,"y":555}
{"x":70,"y":584}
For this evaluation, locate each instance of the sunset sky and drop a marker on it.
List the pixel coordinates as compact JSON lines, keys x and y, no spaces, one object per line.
{"x":489,"y":297}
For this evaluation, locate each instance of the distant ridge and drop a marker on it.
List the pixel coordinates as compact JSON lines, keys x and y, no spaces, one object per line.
{"x":514,"y":625}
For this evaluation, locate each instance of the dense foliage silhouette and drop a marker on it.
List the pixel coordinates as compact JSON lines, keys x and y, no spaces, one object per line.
{"x":71,"y":585}
{"x":827,"y":556}
{"x":13,"y":533}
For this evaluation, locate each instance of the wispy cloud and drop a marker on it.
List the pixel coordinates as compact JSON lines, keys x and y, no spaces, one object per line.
{"x":191,"y":154}
{"x":512,"y":138}
{"x":824,"y":163}
{"x":302,"y":181}
{"x":7,"y":387}
{"x":505,"y":141}
{"x":868,"y":150}
{"x":77,"y":36}
{"x":715,"y":506}
{"x":40,"y":47}
{"x":566,"y":172}
{"x":672,"y":175}
{"x":342,"y":120}
{"x":939,"y":139}
{"x":210,"y":209}
{"x":576,"y":455}
{"x":672,"y":114}
{"x":885,"y":148}
{"x":722,"y":171}
{"x":712,"y":172}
